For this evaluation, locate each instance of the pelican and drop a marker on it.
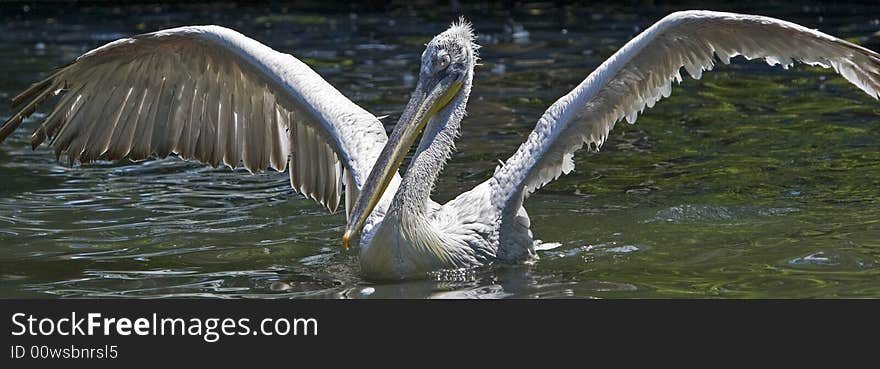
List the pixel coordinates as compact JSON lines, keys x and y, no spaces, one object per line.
{"x":211,"y":94}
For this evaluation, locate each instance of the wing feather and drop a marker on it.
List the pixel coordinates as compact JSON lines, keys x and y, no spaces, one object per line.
{"x":642,"y":72}
{"x":210,"y":94}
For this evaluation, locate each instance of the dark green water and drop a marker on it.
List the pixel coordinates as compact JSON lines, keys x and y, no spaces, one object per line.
{"x":752,"y":182}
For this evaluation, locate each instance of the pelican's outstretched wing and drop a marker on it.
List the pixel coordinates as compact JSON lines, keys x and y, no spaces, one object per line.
{"x":211,"y":94}
{"x":642,"y":72}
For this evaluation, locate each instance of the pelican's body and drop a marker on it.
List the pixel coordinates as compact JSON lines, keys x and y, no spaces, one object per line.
{"x":214,"y":95}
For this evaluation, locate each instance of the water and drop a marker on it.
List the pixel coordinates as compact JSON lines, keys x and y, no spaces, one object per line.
{"x":751,"y":182}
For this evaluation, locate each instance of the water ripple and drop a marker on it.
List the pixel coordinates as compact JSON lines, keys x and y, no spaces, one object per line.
{"x":700,"y":213}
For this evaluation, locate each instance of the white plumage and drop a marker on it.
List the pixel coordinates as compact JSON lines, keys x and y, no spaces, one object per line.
{"x":211,"y":94}
{"x":214,"y":95}
{"x":642,"y":72}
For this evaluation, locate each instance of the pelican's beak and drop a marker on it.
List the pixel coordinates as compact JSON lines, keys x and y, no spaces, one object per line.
{"x":426,"y":101}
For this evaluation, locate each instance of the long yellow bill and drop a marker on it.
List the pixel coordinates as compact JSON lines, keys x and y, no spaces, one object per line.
{"x":421,"y":108}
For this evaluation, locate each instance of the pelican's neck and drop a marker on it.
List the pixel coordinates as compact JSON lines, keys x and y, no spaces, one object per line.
{"x":434,"y":149}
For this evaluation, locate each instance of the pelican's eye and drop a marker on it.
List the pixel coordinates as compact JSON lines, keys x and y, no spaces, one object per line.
{"x":442,"y":62}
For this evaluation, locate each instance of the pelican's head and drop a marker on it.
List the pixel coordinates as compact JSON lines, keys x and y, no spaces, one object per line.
{"x":444,"y":84}
{"x":451,"y":54}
